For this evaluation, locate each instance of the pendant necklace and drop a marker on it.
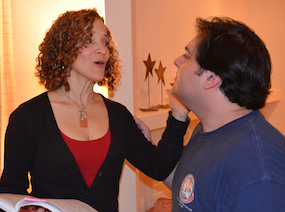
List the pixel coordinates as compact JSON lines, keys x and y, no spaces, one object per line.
{"x":82,"y":112}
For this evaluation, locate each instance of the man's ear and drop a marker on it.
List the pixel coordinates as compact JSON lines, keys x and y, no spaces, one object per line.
{"x":212,"y":80}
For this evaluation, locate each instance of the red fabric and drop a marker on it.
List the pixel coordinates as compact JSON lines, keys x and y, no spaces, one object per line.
{"x":89,"y":155}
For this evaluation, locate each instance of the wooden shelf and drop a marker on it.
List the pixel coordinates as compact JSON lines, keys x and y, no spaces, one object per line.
{"x":157,"y":119}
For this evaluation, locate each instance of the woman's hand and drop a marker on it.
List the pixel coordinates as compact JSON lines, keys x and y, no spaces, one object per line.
{"x":179,"y":111}
{"x":144,"y":128}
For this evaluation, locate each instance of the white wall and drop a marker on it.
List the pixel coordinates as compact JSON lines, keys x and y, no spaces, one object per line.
{"x":119,"y":21}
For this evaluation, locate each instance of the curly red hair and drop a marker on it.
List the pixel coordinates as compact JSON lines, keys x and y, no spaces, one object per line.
{"x":61,"y":45}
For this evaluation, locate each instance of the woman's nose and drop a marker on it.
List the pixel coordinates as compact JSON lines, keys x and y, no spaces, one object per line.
{"x":102,"y":49}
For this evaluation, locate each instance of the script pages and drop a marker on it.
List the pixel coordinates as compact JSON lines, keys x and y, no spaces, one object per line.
{"x":13,"y":203}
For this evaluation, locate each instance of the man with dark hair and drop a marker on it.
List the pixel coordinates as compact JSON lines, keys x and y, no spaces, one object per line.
{"x":235,"y":159}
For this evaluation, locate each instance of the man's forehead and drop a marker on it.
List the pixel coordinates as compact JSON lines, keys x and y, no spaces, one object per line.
{"x":191,"y":46}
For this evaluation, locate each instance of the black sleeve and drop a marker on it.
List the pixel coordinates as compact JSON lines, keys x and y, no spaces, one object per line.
{"x":18,"y":154}
{"x":157,"y":162}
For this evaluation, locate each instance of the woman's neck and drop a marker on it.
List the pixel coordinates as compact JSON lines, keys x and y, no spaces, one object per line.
{"x":81,"y":95}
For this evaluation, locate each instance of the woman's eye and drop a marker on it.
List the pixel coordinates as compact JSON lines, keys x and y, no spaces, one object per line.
{"x":106,"y":43}
{"x":89,"y":40}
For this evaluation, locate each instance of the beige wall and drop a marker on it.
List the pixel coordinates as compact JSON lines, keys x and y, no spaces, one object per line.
{"x":162,"y":28}
{"x":267,"y":19}
{"x":119,"y":20}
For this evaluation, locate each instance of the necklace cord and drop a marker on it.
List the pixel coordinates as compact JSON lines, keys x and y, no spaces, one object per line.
{"x":78,"y":104}
{"x":82,"y":113}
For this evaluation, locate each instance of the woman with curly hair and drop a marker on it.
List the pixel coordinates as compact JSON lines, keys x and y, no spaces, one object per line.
{"x":74,"y":141}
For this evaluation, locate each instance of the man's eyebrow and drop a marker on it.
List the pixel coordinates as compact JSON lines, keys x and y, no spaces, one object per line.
{"x":187,"y":49}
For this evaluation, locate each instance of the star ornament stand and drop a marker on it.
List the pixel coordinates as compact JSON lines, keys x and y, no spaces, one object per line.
{"x":149,"y":67}
{"x":159,"y":73}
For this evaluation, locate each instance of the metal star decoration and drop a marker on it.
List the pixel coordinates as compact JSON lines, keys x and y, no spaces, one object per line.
{"x":159,"y":73}
{"x":149,"y":66}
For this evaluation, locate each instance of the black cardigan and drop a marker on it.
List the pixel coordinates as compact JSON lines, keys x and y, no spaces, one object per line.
{"x":33,"y":143}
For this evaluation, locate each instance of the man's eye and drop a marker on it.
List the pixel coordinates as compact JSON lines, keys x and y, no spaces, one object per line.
{"x":186,"y":56}
{"x":89,"y":40}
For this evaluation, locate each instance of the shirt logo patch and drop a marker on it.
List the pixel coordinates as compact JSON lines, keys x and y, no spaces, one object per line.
{"x":186,"y":193}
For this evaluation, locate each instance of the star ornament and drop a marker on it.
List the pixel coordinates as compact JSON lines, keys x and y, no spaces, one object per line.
{"x":159,"y":73}
{"x":149,"y":66}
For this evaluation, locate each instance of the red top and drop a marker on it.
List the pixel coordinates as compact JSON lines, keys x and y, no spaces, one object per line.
{"x":89,"y":155}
